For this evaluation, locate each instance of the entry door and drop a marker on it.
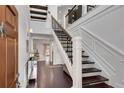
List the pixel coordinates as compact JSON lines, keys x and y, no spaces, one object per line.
{"x":8,"y":46}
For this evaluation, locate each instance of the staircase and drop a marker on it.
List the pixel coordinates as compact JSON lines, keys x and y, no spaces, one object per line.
{"x":91,"y":77}
{"x":38,"y":12}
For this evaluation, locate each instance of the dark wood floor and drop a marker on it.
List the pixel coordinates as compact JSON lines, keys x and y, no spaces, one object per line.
{"x":50,"y":77}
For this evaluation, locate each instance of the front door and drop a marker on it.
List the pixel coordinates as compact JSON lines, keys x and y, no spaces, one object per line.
{"x":8,"y":46}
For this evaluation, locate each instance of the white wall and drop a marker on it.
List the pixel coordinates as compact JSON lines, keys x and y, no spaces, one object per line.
{"x":23,"y":24}
{"x":57,"y":57}
{"x":110,"y":27}
{"x":53,"y":10}
{"x":39,"y":27}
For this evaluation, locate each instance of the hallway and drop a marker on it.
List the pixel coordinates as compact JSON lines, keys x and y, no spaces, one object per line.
{"x":50,"y":77}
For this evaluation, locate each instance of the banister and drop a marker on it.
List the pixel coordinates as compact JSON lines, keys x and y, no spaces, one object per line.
{"x":60,"y":26}
{"x":71,"y":10}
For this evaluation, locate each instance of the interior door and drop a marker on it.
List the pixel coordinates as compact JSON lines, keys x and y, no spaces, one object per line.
{"x":8,"y":46}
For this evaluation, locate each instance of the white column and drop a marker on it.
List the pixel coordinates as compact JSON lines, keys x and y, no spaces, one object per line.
{"x":77,"y":62}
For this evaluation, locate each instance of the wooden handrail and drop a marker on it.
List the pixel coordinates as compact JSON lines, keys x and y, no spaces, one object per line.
{"x":60,"y":26}
{"x":71,"y":10}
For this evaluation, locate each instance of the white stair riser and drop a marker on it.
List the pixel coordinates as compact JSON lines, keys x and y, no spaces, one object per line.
{"x":91,"y":74}
{"x":87,"y":65}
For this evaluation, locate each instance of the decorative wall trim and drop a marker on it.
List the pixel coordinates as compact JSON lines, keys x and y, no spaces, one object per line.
{"x":113,"y":48}
{"x":110,"y":71}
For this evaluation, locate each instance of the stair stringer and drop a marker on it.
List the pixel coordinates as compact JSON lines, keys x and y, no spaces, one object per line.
{"x":64,"y":54}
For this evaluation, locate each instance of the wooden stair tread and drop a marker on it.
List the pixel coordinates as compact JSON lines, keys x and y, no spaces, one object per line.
{"x":64,"y":39}
{"x":99,"y":85}
{"x":90,"y":70}
{"x":83,"y":51}
{"x":82,"y":56}
{"x":71,"y":51}
{"x":59,"y":31}
{"x":68,"y":51}
{"x":39,"y":7}
{"x":87,"y":62}
{"x":66,"y":43}
{"x":36,"y":17}
{"x":93,"y":79}
{"x":37,"y":12}
{"x":61,"y":34}
{"x":67,"y":46}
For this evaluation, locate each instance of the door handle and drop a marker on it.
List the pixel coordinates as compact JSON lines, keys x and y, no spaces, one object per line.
{"x":2,"y":30}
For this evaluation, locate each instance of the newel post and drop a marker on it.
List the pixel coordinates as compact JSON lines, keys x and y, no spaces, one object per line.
{"x":77,"y":62}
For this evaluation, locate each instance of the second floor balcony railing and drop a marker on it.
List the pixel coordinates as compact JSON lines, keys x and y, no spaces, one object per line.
{"x":76,"y":12}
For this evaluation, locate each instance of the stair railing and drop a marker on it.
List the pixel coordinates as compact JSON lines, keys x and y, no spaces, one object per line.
{"x":76,"y":62}
{"x":57,"y":26}
{"x":53,"y":27}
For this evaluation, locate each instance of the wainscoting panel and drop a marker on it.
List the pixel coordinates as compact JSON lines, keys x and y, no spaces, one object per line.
{"x":105,"y":57}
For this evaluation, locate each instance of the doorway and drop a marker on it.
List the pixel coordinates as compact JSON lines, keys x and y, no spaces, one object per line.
{"x":43,"y":48}
{"x":41,"y":52}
